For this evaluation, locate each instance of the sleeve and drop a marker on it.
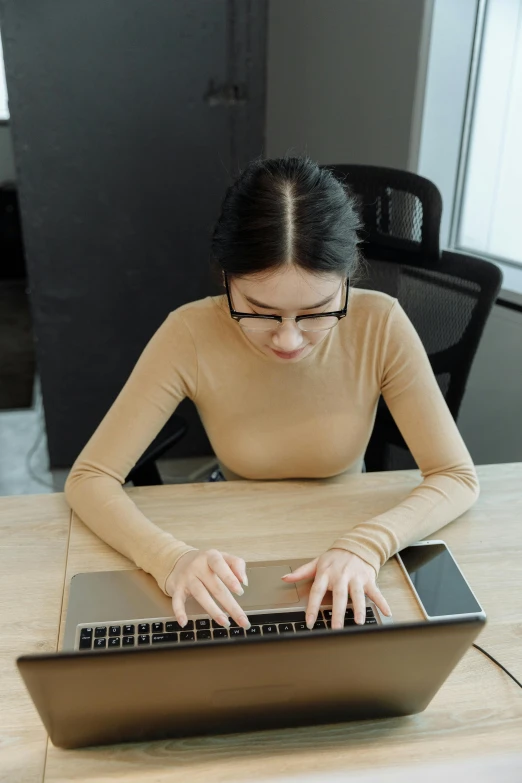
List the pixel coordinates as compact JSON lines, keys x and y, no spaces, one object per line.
{"x":450,"y":485}
{"x":165,"y":373}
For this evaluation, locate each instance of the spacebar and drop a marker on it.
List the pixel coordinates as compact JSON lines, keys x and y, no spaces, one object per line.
{"x":277,"y":617}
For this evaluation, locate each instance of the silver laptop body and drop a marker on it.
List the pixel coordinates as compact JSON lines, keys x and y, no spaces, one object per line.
{"x":280,"y":676}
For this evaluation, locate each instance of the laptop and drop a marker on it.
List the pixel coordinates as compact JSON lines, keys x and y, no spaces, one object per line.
{"x":127,"y":672}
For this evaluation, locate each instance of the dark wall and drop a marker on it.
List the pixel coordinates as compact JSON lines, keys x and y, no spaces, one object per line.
{"x":128,"y":119}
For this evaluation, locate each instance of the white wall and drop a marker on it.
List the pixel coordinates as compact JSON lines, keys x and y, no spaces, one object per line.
{"x":342,"y":79}
{"x":7,"y":167}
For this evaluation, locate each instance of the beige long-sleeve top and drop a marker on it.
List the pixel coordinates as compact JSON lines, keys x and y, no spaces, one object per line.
{"x":268,"y":420}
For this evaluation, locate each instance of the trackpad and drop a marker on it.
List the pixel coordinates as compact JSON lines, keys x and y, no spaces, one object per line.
{"x":265,"y":590}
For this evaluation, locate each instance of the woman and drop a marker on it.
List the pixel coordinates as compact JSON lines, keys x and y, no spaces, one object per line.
{"x":286,"y":370}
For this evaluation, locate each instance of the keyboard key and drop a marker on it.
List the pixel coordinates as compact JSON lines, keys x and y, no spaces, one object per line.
{"x":220,"y":633}
{"x":186,"y":636}
{"x":114,"y":641}
{"x":128,"y":641}
{"x":115,"y":630}
{"x":327,"y":614}
{"x":143,"y":628}
{"x":174,"y":626}
{"x":277,"y":617}
{"x":286,"y":628}
{"x":301,"y":627}
{"x":85,"y":642}
{"x":100,"y":631}
{"x":369,"y":612}
{"x":268,"y":629}
{"x":349,"y":614}
{"x":160,"y":638}
{"x":202,"y":625}
{"x":203,"y":634}
{"x":371,"y":621}
{"x":236,"y":632}
{"x":99,"y":644}
{"x":254,"y":630}
{"x":128,"y":630}
{"x":143,"y":638}
{"x":319,"y":625}
{"x":157,"y":627}
{"x":349,"y":621}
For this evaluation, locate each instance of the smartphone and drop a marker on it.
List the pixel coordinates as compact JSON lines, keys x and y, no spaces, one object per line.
{"x":437,"y":581}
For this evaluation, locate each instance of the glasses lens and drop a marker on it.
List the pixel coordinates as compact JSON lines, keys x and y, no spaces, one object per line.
{"x":319,"y":324}
{"x":258,"y":324}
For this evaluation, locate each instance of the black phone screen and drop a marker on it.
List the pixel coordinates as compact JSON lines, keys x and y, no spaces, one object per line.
{"x":439,"y":584}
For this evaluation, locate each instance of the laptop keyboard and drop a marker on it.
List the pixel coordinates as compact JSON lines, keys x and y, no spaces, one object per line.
{"x":151,"y":632}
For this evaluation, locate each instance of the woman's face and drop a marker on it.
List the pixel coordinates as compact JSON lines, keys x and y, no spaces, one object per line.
{"x":287,"y":292}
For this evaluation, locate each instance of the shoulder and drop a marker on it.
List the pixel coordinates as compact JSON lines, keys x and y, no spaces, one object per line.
{"x":204,"y":324}
{"x":370,"y":306}
{"x":199,"y":316}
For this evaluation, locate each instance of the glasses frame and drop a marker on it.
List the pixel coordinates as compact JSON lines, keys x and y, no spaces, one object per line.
{"x":237,"y":316}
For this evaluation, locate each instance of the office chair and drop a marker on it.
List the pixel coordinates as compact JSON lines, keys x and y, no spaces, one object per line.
{"x":448,"y":297}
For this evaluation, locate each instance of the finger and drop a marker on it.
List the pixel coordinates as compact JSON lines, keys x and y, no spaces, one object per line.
{"x":375,"y":595}
{"x":340,"y":600}
{"x":221,"y":567}
{"x":306,"y":571}
{"x":219,"y":591}
{"x":237,"y":566}
{"x":317,"y":592}
{"x":178,"y":607}
{"x":204,"y":599}
{"x":359,"y":601}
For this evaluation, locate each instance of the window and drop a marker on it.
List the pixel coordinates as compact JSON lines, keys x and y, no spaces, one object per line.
{"x":4,"y":111}
{"x":491,"y":207}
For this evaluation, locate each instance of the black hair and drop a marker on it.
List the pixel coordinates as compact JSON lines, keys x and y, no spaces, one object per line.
{"x":287,"y":210}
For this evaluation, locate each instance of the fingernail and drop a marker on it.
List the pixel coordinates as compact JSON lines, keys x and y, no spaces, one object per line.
{"x":224,"y":621}
{"x":245,"y":580}
{"x":309,"y":621}
{"x":284,"y":577}
{"x":239,"y":591}
{"x":183,"y":622}
{"x":244,"y":622}
{"x":359,"y":619}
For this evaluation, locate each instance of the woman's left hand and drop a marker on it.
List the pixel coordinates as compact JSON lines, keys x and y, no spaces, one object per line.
{"x":345,"y":574}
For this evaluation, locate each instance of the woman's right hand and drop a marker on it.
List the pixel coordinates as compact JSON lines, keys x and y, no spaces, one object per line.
{"x":205,"y":576}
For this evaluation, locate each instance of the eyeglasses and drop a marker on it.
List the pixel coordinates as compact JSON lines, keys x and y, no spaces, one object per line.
{"x":321,"y":322}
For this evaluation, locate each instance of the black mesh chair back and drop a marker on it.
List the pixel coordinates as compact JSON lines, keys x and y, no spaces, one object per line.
{"x":400,"y":211}
{"x":448,"y":296}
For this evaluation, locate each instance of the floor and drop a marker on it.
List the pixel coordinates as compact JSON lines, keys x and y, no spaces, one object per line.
{"x":24,"y":462}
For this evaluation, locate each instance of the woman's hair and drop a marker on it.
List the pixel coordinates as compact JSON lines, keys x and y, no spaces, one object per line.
{"x":287,"y":211}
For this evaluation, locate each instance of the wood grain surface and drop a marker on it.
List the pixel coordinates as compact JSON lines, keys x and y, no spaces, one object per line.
{"x":33,"y":548}
{"x":478,"y":711}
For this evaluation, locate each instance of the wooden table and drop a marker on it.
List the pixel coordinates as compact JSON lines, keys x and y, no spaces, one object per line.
{"x":478,"y":712}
